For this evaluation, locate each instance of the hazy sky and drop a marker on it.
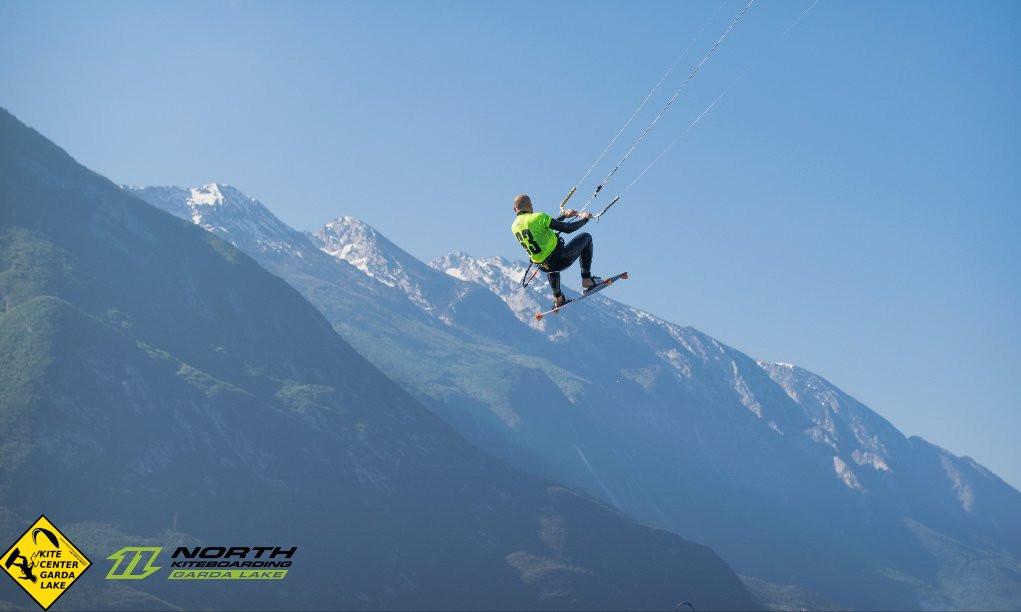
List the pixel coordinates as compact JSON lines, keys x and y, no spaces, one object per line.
{"x":851,"y":205}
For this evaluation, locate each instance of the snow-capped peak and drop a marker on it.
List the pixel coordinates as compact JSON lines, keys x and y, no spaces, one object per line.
{"x":227,"y":212}
{"x":358,"y":243}
{"x":352,"y":239}
{"x":207,"y":195}
{"x":346,"y":224}
{"x":218,"y":194}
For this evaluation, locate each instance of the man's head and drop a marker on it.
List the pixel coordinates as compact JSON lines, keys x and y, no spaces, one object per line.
{"x":522,"y":203}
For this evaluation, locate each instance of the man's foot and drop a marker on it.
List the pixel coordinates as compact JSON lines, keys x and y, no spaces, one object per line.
{"x":589,"y":282}
{"x":559,"y":300}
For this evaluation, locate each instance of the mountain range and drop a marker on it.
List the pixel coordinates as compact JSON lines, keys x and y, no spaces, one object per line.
{"x":158,"y":387}
{"x":789,"y":478}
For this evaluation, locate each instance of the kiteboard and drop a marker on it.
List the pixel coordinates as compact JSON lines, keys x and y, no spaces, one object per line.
{"x":591,"y":291}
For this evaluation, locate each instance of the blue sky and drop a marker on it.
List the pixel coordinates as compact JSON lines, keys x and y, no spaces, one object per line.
{"x":851,"y":205}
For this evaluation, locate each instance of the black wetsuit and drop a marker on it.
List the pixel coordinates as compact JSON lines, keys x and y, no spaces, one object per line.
{"x":564,"y":255}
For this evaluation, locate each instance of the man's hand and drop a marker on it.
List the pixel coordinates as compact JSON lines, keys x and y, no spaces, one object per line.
{"x":570,"y":212}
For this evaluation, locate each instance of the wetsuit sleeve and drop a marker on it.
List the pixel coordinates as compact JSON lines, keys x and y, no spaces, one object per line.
{"x":566,"y":228}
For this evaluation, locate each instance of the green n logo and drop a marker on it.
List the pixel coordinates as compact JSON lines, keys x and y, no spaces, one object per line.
{"x":134,"y":554}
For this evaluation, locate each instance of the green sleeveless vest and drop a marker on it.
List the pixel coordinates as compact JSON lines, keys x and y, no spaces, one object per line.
{"x":532,"y":231}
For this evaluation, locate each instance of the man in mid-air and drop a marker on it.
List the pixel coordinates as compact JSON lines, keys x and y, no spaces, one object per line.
{"x":536,"y":232}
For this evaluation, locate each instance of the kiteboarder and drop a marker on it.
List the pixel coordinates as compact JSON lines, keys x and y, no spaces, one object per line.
{"x":538,"y":234}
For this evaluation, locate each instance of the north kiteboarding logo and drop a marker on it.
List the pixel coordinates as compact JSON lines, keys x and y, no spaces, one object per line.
{"x":204,"y":563}
{"x":44,"y":563}
{"x":133,"y":555}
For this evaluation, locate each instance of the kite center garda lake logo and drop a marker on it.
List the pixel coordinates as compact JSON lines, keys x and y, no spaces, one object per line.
{"x":44,"y":563}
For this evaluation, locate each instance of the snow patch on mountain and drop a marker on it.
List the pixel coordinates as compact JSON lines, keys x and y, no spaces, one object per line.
{"x":748,"y":400}
{"x":870,"y":459}
{"x":210,"y":195}
{"x":746,"y":395}
{"x":965,"y":494}
{"x":846,"y":475}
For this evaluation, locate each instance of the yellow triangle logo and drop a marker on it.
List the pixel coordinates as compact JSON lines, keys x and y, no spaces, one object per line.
{"x":44,"y":563}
